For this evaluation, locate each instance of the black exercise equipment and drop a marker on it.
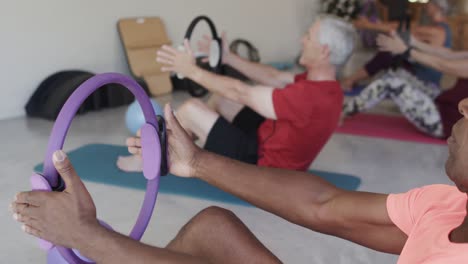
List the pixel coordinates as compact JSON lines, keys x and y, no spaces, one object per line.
{"x":214,"y":58}
{"x":53,"y":92}
{"x":252,"y":51}
{"x":216,"y":48}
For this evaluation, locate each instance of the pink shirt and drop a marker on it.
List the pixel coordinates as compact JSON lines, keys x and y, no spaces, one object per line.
{"x":428,"y":215}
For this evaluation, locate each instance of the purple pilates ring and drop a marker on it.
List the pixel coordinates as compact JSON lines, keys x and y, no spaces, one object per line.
{"x":151,"y":150}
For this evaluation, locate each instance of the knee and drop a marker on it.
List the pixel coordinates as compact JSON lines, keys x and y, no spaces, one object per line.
{"x":190,"y":105}
{"x":209,"y":219}
{"x":213,"y":216}
{"x":187,"y":110}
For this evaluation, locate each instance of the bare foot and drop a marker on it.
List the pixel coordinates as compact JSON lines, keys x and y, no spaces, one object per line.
{"x":130,"y":163}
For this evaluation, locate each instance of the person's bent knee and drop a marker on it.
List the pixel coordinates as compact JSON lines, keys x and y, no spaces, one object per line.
{"x":190,"y":104}
{"x":206,"y":220}
{"x":214,"y":215}
{"x":185,"y":112}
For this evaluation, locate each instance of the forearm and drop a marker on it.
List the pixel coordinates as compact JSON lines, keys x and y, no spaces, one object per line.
{"x":227,"y":87}
{"x":260,"y":73}
{"x":427,"y":59}
{"x":455,"y":67}
{"x":439,"y":51}
{"x":104,"y":246}
{"x":292,"y":195}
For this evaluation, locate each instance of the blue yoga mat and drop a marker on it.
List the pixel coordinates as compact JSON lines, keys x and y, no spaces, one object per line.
{"x":96,"y":163}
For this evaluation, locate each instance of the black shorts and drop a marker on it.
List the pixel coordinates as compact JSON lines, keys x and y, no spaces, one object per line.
{"x":236,"y":140}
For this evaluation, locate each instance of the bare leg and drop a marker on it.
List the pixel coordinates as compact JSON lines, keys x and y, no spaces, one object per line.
{"x":217,"y":235}
{"x":197,"y":118}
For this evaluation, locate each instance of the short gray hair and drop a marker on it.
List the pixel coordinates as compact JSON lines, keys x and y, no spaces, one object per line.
{"x":339,"y":36}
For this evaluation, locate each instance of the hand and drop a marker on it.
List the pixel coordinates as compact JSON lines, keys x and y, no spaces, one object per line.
{"x":205,"y":43}
{"x":183,"y":153}
{"x":391,"y":43}
{"x":64,"y":218}
{"x":181,"y":62}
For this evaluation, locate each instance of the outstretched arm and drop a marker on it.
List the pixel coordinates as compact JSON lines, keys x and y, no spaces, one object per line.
{"x":395,"y":45}
{"x":439,"y":51}
{"x":259,"y":98}
{"x":259,"y":73}
{"x":68,"y":219}
{"x":299,"y":197}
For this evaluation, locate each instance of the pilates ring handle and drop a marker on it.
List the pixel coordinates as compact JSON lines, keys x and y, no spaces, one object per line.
{"x":49,"y":180}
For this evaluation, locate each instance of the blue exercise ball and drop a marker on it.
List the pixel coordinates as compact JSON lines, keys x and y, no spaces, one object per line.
{"x":134,"y":117}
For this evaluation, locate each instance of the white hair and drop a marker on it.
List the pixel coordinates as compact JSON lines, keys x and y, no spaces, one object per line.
{"x":339,"y":36}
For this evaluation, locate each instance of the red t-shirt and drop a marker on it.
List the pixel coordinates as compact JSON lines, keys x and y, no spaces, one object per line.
{"x":307,"y":114}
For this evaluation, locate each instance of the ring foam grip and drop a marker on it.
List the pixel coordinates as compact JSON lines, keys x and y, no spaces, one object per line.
{"x":216,"y":51}
{"x":150,"y":147}
{"x":215,"y":54}
{"x":39,"y":183}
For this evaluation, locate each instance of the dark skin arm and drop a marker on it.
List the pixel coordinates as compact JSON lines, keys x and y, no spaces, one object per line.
{"x":69,"y":218}
{"x":298,"y":197}
{"x":306,"y":200}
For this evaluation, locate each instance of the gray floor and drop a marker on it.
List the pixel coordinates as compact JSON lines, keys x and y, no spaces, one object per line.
{"x":384,"y":166}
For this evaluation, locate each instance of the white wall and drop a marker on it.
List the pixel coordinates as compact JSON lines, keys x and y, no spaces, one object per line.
{"x":41,"y":37}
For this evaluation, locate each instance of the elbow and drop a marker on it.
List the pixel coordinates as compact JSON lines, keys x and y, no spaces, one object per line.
{"x":321,"y":214}
{"x":315,"y":216}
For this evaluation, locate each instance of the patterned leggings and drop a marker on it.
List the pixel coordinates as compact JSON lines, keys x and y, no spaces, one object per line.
{"x":414,"y":98}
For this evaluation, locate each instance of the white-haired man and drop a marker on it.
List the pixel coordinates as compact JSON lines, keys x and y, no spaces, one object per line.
{"x":285,"y":120}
